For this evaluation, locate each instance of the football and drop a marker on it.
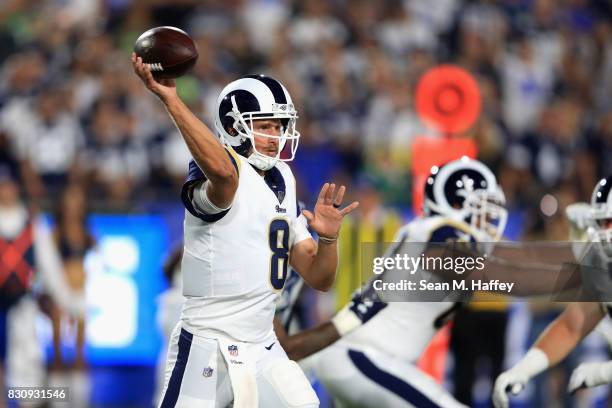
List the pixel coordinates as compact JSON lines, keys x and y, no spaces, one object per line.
{"x":169,"y":51}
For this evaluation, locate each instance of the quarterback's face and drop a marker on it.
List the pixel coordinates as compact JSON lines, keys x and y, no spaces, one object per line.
{"x":267,"y":145}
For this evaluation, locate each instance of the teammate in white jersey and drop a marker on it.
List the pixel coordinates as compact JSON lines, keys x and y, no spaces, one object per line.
{"x":242,"y":230}
{"x":592,"y":223}
{"x":375,"y":343}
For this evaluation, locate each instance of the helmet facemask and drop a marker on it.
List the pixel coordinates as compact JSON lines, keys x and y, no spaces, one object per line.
{"x":601,"y":231}
{"x":484,"y":210}
{"x":243,"y":124}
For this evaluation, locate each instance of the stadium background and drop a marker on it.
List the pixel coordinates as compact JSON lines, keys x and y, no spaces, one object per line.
{"x":73,"y":114}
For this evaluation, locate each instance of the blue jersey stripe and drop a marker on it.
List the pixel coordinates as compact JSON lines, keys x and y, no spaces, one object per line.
{"x":390,"y":382}
{"x":174,"y":384}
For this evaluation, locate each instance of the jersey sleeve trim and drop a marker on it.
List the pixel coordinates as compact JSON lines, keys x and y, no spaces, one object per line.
{"x":233,"y":158}
{"x":187,"y":199}
{"x":196,"y":176}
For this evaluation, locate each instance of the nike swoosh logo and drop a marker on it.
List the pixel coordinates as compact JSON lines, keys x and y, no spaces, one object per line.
{"x":270,"y":346}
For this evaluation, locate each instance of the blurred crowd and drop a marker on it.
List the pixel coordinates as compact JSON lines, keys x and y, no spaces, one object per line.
{"x":72,"y":111}
{"x":73,"y":114}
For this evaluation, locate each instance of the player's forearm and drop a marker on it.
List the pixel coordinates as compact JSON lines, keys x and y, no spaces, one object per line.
{"x":205,"y":148}
{"x":322,"y":271}
{"x":554,"y":344}
{"x":308,"y":342}
{"x":536,"y":269}
{"x":531,"y":278}
{"x":562,"y":335}
{"x":557,"y":342}
{"x":550,"y":253}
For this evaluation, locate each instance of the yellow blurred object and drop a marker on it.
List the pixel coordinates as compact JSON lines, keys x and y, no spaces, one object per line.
{"x":489,"y":301}
{"x":353,"y":234}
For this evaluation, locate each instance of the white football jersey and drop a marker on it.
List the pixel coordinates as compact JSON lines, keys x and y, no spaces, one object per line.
{"x":235,"y":263}
{"x":404,"y":329}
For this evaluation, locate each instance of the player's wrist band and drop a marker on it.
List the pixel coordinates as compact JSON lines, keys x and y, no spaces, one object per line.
{"x":533,"y":363}
{"x":345,"y":321}
{"x":327,"y":240}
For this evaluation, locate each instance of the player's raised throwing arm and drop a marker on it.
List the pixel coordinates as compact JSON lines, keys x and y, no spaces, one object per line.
{"x":317,"y":263}
{"x":205,"y":148}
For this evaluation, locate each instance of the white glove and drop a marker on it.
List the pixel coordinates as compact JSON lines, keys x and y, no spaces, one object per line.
{"x":579,"y":214}
{"x":508,"y":381}
{"x":515,"y":379}
{"x":588,"y":375}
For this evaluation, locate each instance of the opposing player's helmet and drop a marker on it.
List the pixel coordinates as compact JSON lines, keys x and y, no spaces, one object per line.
{"x":601,"y":215}
{"x":252,"y":98}
{"x":467,"y":190}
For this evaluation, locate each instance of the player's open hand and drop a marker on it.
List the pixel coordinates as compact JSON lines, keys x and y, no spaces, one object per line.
{"x":327,"y":216}
{"x":164,"y":88}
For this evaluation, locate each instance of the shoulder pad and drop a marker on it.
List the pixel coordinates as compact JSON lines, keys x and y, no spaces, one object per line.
{"x":447,"y":229}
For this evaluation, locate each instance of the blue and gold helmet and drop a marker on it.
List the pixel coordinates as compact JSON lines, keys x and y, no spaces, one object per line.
{"x":601,"y":214}
{"x":256,"y":97}
{"x":467,"y":191}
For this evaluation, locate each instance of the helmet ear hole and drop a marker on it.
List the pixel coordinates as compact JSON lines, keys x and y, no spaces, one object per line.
{"x":244,"y":148}
{"x":231,"y":131}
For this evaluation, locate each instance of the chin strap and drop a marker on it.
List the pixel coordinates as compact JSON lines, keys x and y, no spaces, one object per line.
{"x":262,"y":162}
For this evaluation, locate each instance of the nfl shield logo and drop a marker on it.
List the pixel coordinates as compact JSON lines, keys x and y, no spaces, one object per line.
{"x":208,"y":371}
{"x":233,"y":350}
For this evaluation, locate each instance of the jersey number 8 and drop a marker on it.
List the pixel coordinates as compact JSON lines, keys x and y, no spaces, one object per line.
{"x":279,"y":245}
